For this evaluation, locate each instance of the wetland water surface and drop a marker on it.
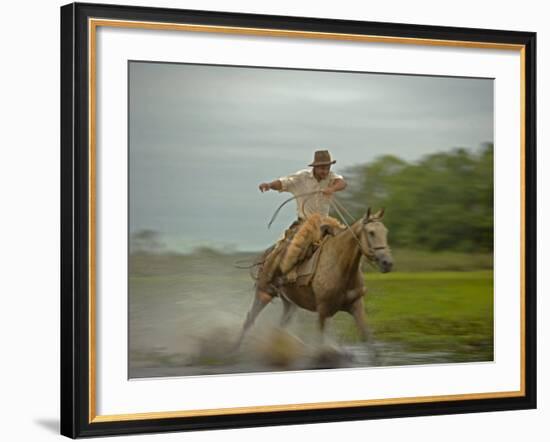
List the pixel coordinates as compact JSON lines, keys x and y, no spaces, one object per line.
{"x":186,"y":311}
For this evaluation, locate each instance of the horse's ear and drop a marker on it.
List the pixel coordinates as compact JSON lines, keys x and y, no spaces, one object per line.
{"x":380,"y":213}
{"x":367,"y":216}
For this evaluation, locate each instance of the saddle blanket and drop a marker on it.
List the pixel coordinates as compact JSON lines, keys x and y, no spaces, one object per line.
{"x":303,"y":273}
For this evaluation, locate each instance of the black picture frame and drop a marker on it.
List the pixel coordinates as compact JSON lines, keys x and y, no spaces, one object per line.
{"x":77,"y":416}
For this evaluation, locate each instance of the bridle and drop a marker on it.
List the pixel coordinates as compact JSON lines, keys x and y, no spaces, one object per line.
{"x":370,"y":253}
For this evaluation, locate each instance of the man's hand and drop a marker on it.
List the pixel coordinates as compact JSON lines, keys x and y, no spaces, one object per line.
{"x":328,"y":192}
{"x":274,"y":185}
{"x":264,"y":187}
{"x":336,"y":186}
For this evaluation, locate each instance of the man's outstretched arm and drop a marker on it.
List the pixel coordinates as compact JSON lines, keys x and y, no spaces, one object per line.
{"x":274,"y":185}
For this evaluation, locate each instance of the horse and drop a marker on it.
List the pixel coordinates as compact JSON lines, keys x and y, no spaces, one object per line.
{"x":338,"y":283}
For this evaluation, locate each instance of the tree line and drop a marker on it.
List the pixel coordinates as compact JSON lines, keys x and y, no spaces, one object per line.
{"x":442,"y":202}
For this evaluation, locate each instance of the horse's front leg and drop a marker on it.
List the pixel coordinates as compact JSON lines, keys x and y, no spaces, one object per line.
{"x":354,"y":305}
{"x":357,"y":310}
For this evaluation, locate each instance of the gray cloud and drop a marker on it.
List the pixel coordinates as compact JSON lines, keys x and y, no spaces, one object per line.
{"x":203,"y":137}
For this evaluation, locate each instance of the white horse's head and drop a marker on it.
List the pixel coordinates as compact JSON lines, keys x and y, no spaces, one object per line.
{"x":374,"y":239}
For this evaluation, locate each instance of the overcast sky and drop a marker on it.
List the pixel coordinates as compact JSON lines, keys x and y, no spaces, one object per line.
{"x":203,"y":137}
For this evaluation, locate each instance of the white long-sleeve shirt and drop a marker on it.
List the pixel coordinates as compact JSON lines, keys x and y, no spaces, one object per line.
{"x":303,"y":182}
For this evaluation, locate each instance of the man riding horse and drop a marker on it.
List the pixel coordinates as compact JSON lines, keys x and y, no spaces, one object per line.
{"x":324,"y":274}
{"x":312,"y":189}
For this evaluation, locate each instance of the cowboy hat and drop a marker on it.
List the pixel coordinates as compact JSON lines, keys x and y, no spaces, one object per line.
{"x":322,"y":158}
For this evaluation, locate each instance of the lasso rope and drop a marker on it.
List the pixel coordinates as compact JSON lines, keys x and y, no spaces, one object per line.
{"x":335,"y":204}
{"x":258,"y":263}
{"x":307,"y":194}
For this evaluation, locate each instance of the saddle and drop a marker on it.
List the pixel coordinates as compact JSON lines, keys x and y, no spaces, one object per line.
{"x":294,"y":258}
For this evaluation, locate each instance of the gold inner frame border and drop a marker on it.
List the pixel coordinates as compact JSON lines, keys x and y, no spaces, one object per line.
{"x":93,"y":24}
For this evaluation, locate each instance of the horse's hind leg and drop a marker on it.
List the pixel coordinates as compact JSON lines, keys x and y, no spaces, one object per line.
{"x":322,"y":317}
{"x":288,"y":311}
{"x":261,"y":299}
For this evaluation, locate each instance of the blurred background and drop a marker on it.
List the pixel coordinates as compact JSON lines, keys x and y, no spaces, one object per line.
{"x":201,"y":140}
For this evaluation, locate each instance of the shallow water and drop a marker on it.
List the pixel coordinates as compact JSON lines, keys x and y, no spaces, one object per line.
{"x":377,"y":354}
{"x":187,"y":312}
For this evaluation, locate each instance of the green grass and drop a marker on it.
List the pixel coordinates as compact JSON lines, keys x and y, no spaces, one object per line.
{"x":450,"y":312}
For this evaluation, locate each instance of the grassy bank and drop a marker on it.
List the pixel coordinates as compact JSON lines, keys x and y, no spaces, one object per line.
{"x":146,"y":264}
{"x":448,"y":312}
